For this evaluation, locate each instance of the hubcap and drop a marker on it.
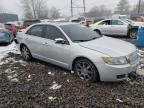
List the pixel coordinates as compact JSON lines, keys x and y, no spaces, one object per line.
{"x":25,"y":53}
{"x":133,"y":35}
{"x":84,"y":71}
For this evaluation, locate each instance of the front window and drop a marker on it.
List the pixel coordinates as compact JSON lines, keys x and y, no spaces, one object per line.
{"x":117,"y":22}
{"x":79,"y":33}
{"x":106,"y":22}
{"x":53,"y":33}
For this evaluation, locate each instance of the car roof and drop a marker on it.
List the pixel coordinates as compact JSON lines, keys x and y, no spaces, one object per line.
{"x":57,"y":23}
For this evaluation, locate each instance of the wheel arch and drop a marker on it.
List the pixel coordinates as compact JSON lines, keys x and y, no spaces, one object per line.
{"x":22,"y":44}
{"x":82,"y":57}
{"x":97,"y":30}
{"x":132,"y":29}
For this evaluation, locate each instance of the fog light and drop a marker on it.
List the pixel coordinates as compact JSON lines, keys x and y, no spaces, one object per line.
{"x":121,"y":76}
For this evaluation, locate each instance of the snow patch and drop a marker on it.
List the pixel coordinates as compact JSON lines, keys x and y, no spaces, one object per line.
{"x":55,"y":86}
{"x":50,"y":73}
{"x":4,"y":50}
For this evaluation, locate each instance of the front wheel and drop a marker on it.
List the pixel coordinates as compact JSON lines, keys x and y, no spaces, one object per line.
{"x":86,"y":70}
{"x":133,"y":34}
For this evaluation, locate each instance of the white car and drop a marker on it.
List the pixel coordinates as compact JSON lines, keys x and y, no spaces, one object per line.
{"x":115,"y":27}
{"x":76,"y":47}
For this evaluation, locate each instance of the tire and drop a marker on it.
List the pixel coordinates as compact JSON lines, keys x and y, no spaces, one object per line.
{"x":25,"y":53}
{"x":86,"y":70}
{"x":132,"y":34}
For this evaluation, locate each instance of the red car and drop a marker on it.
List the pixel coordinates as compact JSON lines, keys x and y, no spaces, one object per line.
{"x":25,"y":24}
{"x":11,"y":28}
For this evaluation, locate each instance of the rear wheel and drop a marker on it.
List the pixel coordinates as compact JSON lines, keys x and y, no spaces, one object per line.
{"x":133,"y":34}
{"x":86,"y":70}
{"x":25,"y":53}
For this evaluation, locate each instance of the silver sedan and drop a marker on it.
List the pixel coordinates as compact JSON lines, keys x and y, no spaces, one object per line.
{"x":77,"y":48}
{"x":116,"y":27}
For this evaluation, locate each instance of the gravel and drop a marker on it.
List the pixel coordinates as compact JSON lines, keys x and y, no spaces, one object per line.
{"x":38,"y":84}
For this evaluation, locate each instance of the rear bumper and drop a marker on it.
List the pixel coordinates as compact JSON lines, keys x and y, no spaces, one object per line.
{"x":4,"y":41}
{"x":116,"y":72}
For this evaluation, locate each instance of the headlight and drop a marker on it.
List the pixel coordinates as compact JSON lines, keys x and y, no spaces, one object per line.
{"x":115,"y":60}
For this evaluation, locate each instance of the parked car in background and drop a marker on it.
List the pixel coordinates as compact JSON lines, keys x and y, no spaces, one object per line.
{"x":80,"y":20}
{"x":12,"y":28}
{"x":115,"y":27}
{"x":119,"y":16}
{"x":5,"y":36}
{"x":25,"y":24}
{"x":76,"y":47}
{"x":60,"y":20}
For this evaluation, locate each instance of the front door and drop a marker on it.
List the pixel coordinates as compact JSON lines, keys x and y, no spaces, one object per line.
{"x":56,"y":53}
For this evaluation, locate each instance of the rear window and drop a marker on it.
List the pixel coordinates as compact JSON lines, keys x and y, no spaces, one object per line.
{"x":4,"y":35}
{"x":28,"y":23}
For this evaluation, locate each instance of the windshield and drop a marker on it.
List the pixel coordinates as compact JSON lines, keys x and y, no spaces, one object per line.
{"x":79,"y":33}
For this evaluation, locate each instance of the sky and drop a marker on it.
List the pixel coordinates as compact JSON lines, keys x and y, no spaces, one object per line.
{"x":14,"y":6}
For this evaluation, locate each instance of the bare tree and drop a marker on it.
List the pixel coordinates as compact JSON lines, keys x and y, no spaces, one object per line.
{"x":100,"y":11}
{"x":123,"y":7}
{"x":35,"y":9}
{"x":1,"y":6}
{"x":54,"y":13}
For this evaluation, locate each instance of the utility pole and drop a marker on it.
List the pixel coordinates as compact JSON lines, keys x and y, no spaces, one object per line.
{"x":139,"y":6}
{"x":84,"y":6}
{"x":71,"y":8}
{"x":73,"y":5}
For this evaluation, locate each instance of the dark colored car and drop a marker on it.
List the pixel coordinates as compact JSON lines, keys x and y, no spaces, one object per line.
{"x":27,"y":23}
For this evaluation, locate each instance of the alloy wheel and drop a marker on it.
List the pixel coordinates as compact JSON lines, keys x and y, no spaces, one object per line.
{"x":84,"y":70}
{"x":25,"y":53}
{"x":133,"y":34}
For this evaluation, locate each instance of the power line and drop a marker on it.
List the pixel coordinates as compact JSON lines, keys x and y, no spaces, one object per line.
{"x":73,"y":5}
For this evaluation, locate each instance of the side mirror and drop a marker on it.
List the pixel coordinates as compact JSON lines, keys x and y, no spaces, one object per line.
{"x":60,"y":41}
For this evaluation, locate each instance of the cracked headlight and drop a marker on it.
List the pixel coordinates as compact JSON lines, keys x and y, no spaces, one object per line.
{"x":115,"y":60}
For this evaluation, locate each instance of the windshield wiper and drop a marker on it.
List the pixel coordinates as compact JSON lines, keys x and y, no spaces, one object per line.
{"x":85,"y":40}
{"x":80,"y":40}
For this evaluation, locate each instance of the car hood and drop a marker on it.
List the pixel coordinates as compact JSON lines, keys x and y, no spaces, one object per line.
{"x":110,"y":46}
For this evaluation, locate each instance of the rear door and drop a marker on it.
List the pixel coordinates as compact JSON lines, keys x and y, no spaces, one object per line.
{"x":34,"y":39}
{"x":119,"y":28}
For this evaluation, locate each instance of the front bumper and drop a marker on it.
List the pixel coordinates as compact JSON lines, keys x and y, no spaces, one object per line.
{"x":116,"y":72}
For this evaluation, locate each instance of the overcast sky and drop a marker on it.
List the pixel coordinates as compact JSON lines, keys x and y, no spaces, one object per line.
{"x":13,"y":6}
